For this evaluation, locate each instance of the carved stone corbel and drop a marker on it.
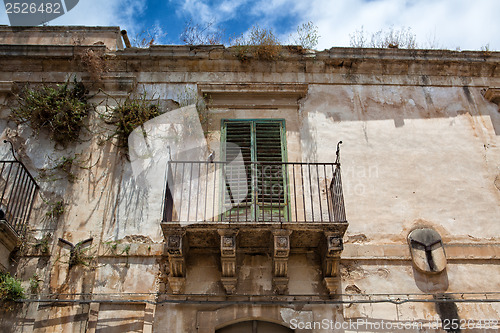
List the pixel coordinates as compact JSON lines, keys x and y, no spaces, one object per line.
{"x":281,"y":252}
{"x":228,"y":259}
{"x":331,"y":259}
{"x":6,"y":88}
{"x":176,"y":257}
{"x":493,"y":95}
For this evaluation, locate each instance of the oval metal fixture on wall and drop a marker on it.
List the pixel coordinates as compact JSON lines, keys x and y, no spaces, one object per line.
{"x":427,"y":250}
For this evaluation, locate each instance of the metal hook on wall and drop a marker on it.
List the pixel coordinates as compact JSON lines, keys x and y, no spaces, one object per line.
{"x":338,"y":152}
{"x":12,"y":149}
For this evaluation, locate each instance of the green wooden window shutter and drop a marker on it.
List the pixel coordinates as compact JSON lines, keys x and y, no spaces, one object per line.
{"x":255,"y":191}
{"x":239,"y":176}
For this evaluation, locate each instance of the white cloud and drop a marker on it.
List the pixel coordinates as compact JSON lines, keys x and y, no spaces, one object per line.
{"x":202,"y":12}
{"x":468,"y":24}
{"x":448,"y":23}
{"x":197,"y":9}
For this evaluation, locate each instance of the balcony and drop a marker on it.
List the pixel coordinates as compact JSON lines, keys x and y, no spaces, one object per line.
{"x":228,"y":208}
{"x":17,"y":194}
{"x":287,"y":193}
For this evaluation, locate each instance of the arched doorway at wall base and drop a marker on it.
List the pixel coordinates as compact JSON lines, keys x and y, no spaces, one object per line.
{"x":254,"y":326}
{"x":274,"y":315}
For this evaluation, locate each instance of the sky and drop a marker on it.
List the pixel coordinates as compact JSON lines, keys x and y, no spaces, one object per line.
{"x":448,"y":24}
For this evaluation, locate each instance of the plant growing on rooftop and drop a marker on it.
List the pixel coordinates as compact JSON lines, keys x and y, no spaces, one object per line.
{"x":261,"y":43}
{"x":485,"y":49}
{"x":60,"y":110}
{"x":306,"y":36}
{"x":148,"y":37}
{"x":402,"y":38}
{"x":202,"y":34}
{"x":358,"y":39}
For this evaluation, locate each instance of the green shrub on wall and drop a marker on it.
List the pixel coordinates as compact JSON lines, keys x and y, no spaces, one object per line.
{"x":59,"y":110}
{"x":127,"y":116}
{"x":10,"y":288}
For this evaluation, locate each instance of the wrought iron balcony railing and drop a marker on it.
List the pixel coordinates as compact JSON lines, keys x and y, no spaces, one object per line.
{"x":271,"y":192}
{"x":17,"y":194}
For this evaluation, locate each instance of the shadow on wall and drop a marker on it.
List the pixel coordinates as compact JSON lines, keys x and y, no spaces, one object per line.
{"x":446,"y":308}
{"x":431,"y":277}
{"x":431,"y":283}
{"x":372,"y":102}
{"x":309,"y":141}
{"x":76,"y":315}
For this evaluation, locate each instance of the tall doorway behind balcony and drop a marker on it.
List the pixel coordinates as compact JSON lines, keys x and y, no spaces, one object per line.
{"x":257,"y":189}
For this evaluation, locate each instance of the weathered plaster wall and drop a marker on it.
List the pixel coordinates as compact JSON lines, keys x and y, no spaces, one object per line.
{"x":417,"y":167}
{"x":420,"y":148}
{"x":412,"y":156}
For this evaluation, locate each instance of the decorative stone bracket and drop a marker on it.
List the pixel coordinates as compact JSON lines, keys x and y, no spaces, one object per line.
{"x":331,"y":259}
{"x":281,"y":252}
{"x":228,"y":259}
{"x":176,"y":251}
{"x":236,"y":241}
{"x":8,"y":241}
{"x":6,"y":88}
{"x":493,"y":95}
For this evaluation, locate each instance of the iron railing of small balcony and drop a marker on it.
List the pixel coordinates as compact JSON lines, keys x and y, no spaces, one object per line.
{"x":271,"y":192}
{"x":17,"y":193}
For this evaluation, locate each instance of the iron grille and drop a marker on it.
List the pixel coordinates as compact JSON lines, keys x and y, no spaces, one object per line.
{"x":277,"y":192}
{"x":18,"y":191}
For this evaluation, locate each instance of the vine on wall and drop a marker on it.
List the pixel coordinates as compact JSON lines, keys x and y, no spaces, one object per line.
{"x":129,"y":115}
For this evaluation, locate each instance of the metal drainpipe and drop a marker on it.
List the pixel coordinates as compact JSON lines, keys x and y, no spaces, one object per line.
{"x":125,"y":38}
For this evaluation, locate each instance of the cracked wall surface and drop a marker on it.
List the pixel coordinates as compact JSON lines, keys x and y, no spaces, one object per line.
{"x":420,"y":149}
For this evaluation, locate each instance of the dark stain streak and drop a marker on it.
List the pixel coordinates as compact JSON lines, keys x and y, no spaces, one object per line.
{"x":448,"y":312}
{"x":468,"y":94}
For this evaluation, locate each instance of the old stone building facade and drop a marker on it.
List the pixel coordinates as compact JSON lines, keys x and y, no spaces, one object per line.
{"x":237,"y":209}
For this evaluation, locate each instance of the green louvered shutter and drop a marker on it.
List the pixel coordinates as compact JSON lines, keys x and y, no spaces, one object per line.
{"x":255,"y":191}
{"x":238,"y":178}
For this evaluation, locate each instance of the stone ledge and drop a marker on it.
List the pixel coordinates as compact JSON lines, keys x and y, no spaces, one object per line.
{"x":62,"y":35}
{"x":345,"y":60}
{"x":40,"y":51}
{"x":255,"y":95}
{"x":469,"y":251}
{"x":114,"y":249}
{"x":117,"y":85}
{"x":255,"y":236}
